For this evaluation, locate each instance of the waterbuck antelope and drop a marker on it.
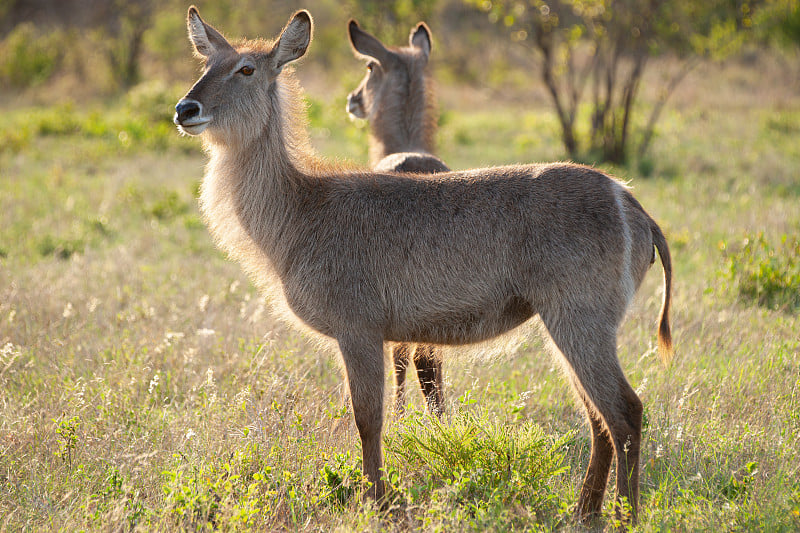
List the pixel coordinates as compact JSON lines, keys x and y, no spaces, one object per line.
{"x":365,"y":257}
{"x":397,"y":98}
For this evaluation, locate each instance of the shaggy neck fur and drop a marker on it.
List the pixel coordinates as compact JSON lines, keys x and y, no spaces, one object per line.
{"x":407,"y":118}
{"x":249,"y":194}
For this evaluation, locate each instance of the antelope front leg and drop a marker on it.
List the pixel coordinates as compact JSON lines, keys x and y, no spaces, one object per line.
{"x":363,"y":361}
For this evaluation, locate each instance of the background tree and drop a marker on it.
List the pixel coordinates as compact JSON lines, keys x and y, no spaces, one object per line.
{"x":598,"y":50}
{"x":127,"y":27}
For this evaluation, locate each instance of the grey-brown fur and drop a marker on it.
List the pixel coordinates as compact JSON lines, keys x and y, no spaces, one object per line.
{"x":365,"y":257}
{"x":397,"y":84}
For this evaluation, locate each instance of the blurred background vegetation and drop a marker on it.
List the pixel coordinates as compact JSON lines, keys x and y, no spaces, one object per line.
{"x":587,"y":58}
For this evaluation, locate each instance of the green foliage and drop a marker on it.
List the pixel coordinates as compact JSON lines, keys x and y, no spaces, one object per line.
{"x":154,"y":101}
{"x":122,"y":40}
{"x":197,"y":494}
{"x":194,"y":495}
{"x":391,"y":20}
{"x":67,"y":432}
{"x":737,"y":485}
{"x":778,"y":21}
{"x":342,"y":478}
{"x":767,"y":274}
{"x":145,"y":120}
{"x":479,"y":464}
{"x":168,"y":206}
{"x":114,"y":497}
{"x":161,"y":36}
{"x":29,"y":57}
{"x":63,"y":248}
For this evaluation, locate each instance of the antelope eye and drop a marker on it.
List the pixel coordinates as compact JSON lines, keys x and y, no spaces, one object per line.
{"x":370,"y":66}
{"x":246,"y":70}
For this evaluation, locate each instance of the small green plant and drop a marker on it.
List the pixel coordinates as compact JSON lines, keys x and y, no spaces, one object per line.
{"x":794,"y":504}
{"x":193,"y":494}
{"x":342,"y":478}
{"x":739,"y":482}
{"x":67,"y":432}
{"x":766,"y":274}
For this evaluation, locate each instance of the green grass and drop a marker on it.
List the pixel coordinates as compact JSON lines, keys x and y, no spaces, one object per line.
{"x":144,"y":384}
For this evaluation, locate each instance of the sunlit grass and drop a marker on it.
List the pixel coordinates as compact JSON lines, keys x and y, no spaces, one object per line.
{"x":144,"y":384}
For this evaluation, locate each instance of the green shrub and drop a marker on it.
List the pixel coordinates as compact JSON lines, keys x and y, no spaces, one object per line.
{"x":62,"y":248}
{"x":28,"y":58}
{"x":766,"y":274}
{"x":57,"y":120}
{"x":14,"y":139}
{"x":481,"y":466}
{"x":169,"y":206}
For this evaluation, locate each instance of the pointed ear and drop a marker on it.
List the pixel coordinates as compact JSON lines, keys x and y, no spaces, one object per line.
{"x":420,"y":38}
{"x":206,"y":40}
{"x":365,"y":44}
{"x":294,"y":39}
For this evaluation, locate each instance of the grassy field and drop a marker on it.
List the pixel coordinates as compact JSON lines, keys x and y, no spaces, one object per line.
{"x":144,"y":384}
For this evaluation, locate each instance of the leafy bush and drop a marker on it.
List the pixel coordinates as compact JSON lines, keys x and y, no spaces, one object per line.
{"x":766,"y":274}
{"x":27,"y":57}
{"x":481,"y":466}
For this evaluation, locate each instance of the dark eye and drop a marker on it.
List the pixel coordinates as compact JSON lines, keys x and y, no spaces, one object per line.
{"x":247,"y":70}
{"x":370,"y":66}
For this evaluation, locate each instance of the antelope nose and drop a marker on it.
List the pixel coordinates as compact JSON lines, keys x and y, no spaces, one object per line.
{"x":354,"y":103}
{"x":185,"y":110}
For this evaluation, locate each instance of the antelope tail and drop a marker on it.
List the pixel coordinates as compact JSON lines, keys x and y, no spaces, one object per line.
{"x":665,"y":349}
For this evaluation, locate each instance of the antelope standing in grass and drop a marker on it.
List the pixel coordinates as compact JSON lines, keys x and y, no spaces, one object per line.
{"x":365,"y":257}
{"x":397,"y":98}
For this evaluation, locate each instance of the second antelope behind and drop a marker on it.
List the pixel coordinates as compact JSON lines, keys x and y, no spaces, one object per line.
{"x":397,"y":98}
{"x":365,"y":257}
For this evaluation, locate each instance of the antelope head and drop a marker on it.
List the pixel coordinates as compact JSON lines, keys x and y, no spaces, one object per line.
{"x":232,"y":97}
{"x":387,"y":69}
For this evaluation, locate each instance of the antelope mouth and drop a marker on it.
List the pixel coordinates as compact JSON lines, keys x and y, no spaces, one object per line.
{"x":192,"y":126}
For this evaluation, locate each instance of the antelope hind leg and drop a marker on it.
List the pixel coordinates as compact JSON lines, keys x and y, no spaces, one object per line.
{"x":589,"y":346}
{"x":429,"y":372}
{"x":400,"y":357}
{"x":590,"y":501}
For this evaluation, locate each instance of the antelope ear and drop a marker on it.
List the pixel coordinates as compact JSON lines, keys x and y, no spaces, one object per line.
{"x":294,"y":39}
{"x":365,"y":44}
{"x":206,"y":39}
{"x":420,"y":38}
